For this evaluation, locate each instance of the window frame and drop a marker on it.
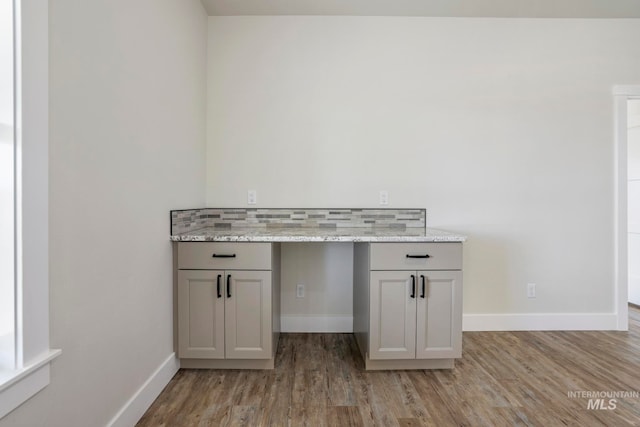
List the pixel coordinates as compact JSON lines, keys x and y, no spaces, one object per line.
{"x":621,"y":94}
{"x":8,"y":353}
{"x":34,"y":355}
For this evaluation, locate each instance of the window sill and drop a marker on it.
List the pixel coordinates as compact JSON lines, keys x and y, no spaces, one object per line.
{"x":18,"y":385}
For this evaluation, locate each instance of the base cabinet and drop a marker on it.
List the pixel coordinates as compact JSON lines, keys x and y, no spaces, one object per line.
{"x":200,"y":315}
{"x":393,"y":316}
{"x":439,"y":315}
{"x":227,"y":318}
{"x":407,"y":304}
{"x":224,"y":314}
{"x":414,"y":316}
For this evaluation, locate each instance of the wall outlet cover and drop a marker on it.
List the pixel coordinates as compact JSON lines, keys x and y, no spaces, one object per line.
{"x":252,"y":197}
{"x":531,"y":290}
{"x":384,"y":197}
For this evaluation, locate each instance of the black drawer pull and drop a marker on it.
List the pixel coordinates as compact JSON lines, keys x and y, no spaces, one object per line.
{"x":413,"y":286}
{"x":219,"y":277}
{"x":228,"y":286}
{"x":424,"y":286}
{"x":419,"y":256}
{"x":223,"y":255}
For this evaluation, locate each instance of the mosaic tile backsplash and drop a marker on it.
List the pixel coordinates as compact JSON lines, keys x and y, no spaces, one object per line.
{"x":184,"y":221}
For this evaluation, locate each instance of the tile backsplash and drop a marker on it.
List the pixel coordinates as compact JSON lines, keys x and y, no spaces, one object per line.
{"x":183,"y":221}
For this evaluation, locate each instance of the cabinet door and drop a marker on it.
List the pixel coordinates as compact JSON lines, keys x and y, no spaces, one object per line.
{"x":200,"y":314}
{"x":392,"y":315}
{"x":248,"y":314}
{"x":439,"y":315}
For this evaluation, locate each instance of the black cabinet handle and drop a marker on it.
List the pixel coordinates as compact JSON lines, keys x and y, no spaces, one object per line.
{"x":418,"y":256}
{"x":413,"y":286}
{"x":424,"y":285}
{"x":228,"y":286}
{"x":219,"y":277}
{"x":223,"y":255}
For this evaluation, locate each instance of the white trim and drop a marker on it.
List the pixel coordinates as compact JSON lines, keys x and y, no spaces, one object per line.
{"x":19,"y":374}
{"x":137,"y":405}
{"x":540,"y":322}
{"x":620,"y":250}
{"x":622,"y":94}
{"x":26,"y":382}
{"x":34,"y":179}
{"x":32,"y":220}
{"x":303,"y":323}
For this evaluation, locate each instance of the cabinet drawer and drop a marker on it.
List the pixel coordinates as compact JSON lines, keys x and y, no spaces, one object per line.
{"x":403,"y":256}
{"x":224,"y":256}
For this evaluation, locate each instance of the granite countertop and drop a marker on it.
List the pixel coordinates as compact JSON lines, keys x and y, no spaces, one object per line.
{"x":340,"y":234}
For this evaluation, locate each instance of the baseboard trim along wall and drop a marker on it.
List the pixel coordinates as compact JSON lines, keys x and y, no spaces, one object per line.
{"x":137,"y":405}
{"x":317,"y":324}
{"x":540,"y":322}
{"x":473,"y":322}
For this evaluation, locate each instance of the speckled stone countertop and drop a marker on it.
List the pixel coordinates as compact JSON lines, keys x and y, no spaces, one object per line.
{"x":356,"y":234}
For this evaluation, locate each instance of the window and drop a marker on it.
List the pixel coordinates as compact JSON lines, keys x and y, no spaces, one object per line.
{"x":7,"y":187}
{"x":24,"y":133}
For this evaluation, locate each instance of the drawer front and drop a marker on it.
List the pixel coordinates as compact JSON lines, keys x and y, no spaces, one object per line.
{"x":224,"y":256}
{"x":416,"y":256}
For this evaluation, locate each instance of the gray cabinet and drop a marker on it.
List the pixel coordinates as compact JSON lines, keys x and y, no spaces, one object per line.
{"x":224,"y":314}
{"x":228,"y":318}
{"x":414,"y":313}
{"x":439,"y":315}
{"x":200,"y":315}
{"x":393,"y":316}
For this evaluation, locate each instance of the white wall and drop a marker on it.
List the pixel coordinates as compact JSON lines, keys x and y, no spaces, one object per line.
{"x":633,"y":189}
{"x":500,"y":128}
{"x":326,"y":271}
{"x":127,"y":103}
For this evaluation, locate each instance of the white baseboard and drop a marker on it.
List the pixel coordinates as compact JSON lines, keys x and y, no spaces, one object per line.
{"x":316,"y":324}
{"x":540,"y":322}
{"x":136,"y":406}
{"x":474,"y":322}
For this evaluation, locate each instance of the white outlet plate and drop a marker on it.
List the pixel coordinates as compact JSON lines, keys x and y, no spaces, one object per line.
{"x":299,"y":291}
{"x":252,"y":197}
{"x":531,"y":290}
{"x":384,"y":197}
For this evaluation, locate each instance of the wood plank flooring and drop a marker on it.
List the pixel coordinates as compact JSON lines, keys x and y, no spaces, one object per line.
{"x":503,"y":379}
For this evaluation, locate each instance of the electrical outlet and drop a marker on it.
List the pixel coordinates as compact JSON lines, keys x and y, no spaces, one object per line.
{"x":252,"y":197}
{"x":531,"y":290}
{"x":384,"y":197}
{"x":299,"y":291}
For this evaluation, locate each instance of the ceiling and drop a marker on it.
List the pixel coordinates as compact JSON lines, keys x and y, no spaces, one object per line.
{"x":442,"y":8}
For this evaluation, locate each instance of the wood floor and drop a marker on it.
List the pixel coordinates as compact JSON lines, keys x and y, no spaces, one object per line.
{"x":503,"y":379}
